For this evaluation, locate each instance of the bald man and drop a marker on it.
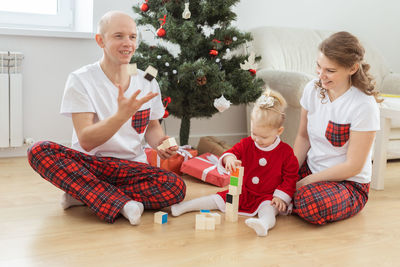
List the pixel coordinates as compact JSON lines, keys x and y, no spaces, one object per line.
{"x":113,"y":113}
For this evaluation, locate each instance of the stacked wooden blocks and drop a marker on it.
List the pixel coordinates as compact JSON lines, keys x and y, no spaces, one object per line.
{"x":232,"y":198}
{"x":207,"y":220}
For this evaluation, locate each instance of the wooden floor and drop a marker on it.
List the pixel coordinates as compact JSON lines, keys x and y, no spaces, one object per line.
{"x":35,"y":231}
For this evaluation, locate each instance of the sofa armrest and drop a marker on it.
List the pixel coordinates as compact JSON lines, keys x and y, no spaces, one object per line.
{"x":391,"y":84}
{"x":289,"y":83}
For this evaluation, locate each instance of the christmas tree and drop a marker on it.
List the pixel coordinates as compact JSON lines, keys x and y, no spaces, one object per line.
{"x":204,"y":68}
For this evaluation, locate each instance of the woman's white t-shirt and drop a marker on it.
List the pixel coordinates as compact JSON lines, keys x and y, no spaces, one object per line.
{"x":88,"y":89}
{"x":330,"y":123}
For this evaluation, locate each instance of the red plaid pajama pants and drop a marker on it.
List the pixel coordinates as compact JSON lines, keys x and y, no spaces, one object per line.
{"x":105,"y":184}
{"x":323,"y":202}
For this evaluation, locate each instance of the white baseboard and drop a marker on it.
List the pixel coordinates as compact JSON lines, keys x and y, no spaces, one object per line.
{"x":230,"y":139}
{"x":12,"y":152}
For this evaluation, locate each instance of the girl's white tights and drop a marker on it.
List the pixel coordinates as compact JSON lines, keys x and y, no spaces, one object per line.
{"x":266,"y":220}
{"x":201,"y":203}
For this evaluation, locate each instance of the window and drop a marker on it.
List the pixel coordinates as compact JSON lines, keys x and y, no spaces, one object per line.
{"x":38,"y":14}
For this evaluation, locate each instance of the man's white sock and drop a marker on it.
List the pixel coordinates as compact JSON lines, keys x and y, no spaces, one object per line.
{"x":206,"y":202}
{"x":132,"y":211}
{"x":68,"y":201}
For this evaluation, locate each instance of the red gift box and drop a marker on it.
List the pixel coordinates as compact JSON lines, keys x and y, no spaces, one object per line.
{"x":205,"y":168}
{"x":173,"y":163}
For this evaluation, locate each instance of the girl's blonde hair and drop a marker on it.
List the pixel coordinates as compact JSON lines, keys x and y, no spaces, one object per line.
{"x":269,"y":109}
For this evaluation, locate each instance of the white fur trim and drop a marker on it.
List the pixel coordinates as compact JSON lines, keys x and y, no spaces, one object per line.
{"x":282,"y":195}
{"x":223,"y":156}
{"x":270,"y":147}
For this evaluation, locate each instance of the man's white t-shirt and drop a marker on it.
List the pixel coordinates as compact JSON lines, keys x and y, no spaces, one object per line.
{"x":88,"y":89}
{"x":330,"y":123}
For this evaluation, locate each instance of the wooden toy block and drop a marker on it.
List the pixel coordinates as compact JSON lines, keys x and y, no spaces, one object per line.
{"x":231,"y":213}
{"x":238,"y":172}
{"x":167,"y":143}
{"x":132,"y":69}
{"x":150,"y":73}
{"x":234,"y":181}
{"x":235,"y":190}
{"x":231,"y":208}
{"x":215,"y":216}
{"x":210,"y":223}
{"x":200,"y":222}
{"x":160,"y":217}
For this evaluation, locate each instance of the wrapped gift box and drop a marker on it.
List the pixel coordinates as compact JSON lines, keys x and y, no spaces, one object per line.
{"x":210,"y":144}
{"x":205,"y":168}
{"x":172,"y":164}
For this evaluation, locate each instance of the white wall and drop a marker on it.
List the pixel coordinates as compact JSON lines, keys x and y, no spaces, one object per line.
{"x":49,"y":60}
{"x":376,"y":22}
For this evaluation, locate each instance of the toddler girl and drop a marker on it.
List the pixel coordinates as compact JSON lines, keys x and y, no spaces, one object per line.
{"x":270,"y":169}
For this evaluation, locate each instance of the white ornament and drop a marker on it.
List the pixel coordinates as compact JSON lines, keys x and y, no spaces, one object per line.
{"x":166,"y":73}
{"x":217,"y":60}
{"x":267,"y":101}
{"x":255,"y":180}
{"x":186,"y":13}
{"x":174,"y":72}
{"x":249,"y":63}
{"x":166,"y":64}
{"x":228,"y":50}
{"x":222,"y":103}
{"x":262,"y":162}
{"x":234,"y":38}
{"x":158,"y":56}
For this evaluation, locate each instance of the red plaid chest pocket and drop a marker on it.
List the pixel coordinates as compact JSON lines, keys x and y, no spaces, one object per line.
{"x":337,"y":134}
{"x":140,"y":120}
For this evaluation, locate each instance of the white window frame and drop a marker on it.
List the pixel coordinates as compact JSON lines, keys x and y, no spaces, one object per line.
{"x":63,"y":20}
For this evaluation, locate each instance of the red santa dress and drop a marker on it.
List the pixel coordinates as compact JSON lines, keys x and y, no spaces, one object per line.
{"x":268,"y":172}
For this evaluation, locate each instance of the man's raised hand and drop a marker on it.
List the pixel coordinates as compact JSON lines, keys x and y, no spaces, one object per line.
{"x":127,"y":107}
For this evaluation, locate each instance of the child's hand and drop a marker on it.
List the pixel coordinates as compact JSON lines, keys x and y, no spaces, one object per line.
{"x":231,"y":163}
{"x":279,"y":204}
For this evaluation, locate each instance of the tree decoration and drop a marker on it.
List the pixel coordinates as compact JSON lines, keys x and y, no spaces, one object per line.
{"x":186,"y":13}
{"x":145,"y":6}
{"x":161,"y":32}
{"x":195,"y":78}
{"x":227,"y":40}
{"x":213,"y":53}
{"x":252,"y":71}
{"x":166,"y":101}
{"x":222,"y":103}
{"x":201,"y":80}
{"x":250,"y":63}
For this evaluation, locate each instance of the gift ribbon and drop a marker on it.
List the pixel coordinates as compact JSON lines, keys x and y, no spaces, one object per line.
{"x":212,"y":159}
{"x":181,"y":151}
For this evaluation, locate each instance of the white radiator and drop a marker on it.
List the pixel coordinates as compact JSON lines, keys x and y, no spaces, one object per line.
{"x":11,"y":132}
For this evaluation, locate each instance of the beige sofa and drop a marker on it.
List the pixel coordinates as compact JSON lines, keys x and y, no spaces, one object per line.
{"x":288,"y":63}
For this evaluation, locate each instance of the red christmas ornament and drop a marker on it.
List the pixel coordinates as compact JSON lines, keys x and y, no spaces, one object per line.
{"x":252,"y":71}
{"x":166,"y":101}
{"x":161,"y":32}
{"x":144,"y":7}
{"x":166,"y":114}
{"x":213,"y":52}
